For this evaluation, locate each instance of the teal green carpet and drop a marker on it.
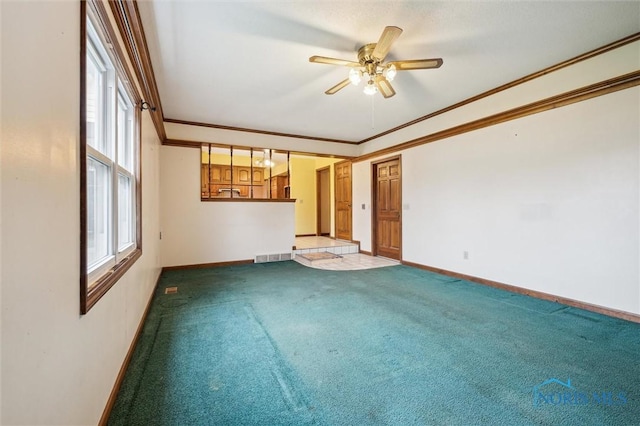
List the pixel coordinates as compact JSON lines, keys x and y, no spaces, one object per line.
{"x":281,"y":344}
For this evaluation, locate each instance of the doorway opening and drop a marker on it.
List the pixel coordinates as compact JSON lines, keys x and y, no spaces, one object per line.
{"x":323,"y":201}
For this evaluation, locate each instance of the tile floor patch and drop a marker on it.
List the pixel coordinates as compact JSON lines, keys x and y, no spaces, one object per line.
{"x":349,"y":257}
{"x":349,"y":262}
{"x":319,"y":256}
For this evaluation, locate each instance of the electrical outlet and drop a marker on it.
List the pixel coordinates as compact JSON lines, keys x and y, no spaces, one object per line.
{"x":364,"y":207}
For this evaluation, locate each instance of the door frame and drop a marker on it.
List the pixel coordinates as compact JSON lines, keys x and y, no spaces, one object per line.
{"x":319,"y":190}
{"x":374,"y":204}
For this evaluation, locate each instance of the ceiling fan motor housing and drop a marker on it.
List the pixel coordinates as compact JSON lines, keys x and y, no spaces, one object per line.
{"x":365,"y":54}
{"x":366,"y":59}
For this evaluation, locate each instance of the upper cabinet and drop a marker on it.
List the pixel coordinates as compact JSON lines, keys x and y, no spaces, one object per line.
{"x":225,"y":180}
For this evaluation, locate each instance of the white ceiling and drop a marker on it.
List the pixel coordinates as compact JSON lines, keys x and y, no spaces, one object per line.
{"x":246,"y":63}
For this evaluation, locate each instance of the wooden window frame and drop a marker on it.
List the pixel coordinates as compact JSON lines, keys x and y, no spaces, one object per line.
{"x":92,"y":290}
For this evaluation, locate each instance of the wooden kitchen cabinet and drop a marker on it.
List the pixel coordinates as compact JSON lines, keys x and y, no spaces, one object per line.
{"x":279,"y":186}
{"x":223,"y":180}
{"x":242,"y":175}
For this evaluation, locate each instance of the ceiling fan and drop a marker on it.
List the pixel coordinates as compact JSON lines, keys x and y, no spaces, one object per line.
{"x":373,"y":69}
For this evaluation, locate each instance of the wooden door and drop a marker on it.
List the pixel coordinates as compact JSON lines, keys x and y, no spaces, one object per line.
{"x":387,"y":210}
{"x":343,"y":200}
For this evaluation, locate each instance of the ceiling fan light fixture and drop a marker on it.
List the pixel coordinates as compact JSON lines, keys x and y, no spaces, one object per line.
{"x":370,"y":88}
{"x":390,"y":72}
{"x":355,"y":76}
{"x":264,"y":163}
{"x":372,"y":68}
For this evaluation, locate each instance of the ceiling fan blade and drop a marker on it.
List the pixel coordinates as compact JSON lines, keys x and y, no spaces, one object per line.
{"x":332,"y":61}
{"x":384,"y":86}
{"x":417,"y":64}
{"x":338,"y":86}
{"x":389,"y":35}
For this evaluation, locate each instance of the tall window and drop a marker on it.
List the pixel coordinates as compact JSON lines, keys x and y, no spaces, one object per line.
{"x":110,"y":192}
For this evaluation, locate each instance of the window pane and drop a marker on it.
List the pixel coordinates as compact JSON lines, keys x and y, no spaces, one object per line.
{"x":125,"y":132}
{"x":98,"y":212}
{"x":125,"y":211}
{"x":95,"y":104}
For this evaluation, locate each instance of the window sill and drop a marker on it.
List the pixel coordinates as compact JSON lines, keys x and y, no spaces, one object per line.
{"x":250,"y":200}
{"x":106,"y":281}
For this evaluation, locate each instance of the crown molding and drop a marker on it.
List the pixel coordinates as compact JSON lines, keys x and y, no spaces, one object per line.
{"x":578,"y":95}
{"x":262,"y":132}
{"x":592,"y":53}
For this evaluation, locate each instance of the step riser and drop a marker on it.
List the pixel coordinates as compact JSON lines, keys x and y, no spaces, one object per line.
{"x":352,"y":249}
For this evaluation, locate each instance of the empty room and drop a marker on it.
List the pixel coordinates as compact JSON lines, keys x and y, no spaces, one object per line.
{"x":320,"y":212}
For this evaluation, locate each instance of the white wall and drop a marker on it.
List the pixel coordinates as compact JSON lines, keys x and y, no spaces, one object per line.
{"x":549,"y":202}
{"x":196,"y":232}
{"x":58,"y":367}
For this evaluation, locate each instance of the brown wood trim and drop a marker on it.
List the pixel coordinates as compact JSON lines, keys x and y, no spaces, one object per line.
{"x":262,"y":132}
{"x":104,"y":419}
{"x":184,"y":143}
{"x":306,"y":235}
{"x":582,"y":94}
{"x":108,"y":280}
{"x":129,"y":24}
{"x":604,"y":49}
{"x":250,"y":200}
{"x":208,"y":265}
{"x":628,"y":316}
{"x":83,"y":157}
{"x":368,"y":253}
